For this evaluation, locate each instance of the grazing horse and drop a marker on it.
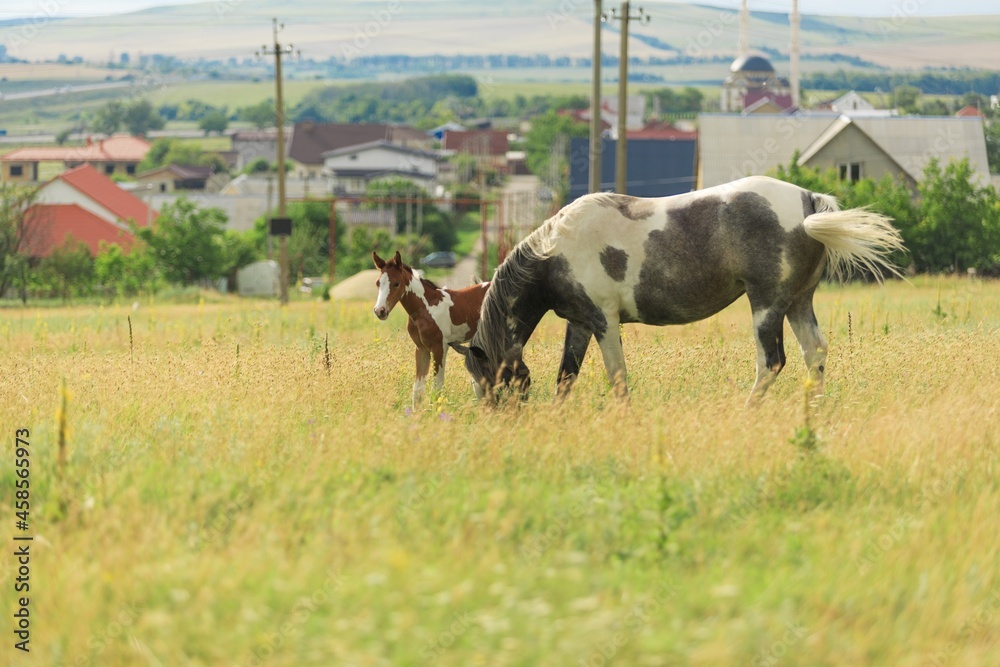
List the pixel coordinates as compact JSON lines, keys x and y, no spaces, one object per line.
{"x":439,"y":317}
{"x":607,"y":259}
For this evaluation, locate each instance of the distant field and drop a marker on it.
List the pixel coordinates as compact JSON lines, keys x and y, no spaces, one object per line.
{"x":244,"y":484}
{"x":55,"y":71}
{"x":233,"y":94}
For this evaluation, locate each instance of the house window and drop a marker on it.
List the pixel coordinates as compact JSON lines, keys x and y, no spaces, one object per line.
{"x":130,"y":169}
{"x":850,"y":171}
{"x":16,"y":170}
{"x":163,"y":187}
{"x":109,"y":169}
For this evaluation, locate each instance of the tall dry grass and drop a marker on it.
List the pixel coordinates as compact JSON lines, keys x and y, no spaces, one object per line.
{"x":228,"y":500}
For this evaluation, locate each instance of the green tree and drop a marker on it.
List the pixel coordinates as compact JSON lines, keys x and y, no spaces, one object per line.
{"x":125,"y":273}
{"x":547,"y":147}
{"x":437,"y":226}
{"x":187,"y":242}
{"x":260,"y":115}
{"x":687,"y":100}
{"x":905,"y":98}
{"x":140,"y":117}
{"x":20,"y":232}
{"x":259,"y":166}
{"x":241,"y":249}
{"x":959,"y":224}
{"x":69,"y":268}
{"x":173,"y":151}
{"x":216,"y":121}
{"x":993,"y":146}
{"x":109,"y":118}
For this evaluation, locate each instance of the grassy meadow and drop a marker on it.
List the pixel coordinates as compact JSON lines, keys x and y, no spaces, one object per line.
{"x":247,"y":485}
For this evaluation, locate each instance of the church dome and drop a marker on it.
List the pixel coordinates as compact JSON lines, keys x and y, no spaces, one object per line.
{"x":751,"y":64}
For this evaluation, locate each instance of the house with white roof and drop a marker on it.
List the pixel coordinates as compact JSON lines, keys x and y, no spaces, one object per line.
{"x":351,"y":168}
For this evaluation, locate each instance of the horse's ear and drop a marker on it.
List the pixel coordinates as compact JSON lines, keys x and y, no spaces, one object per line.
{"x":398,"y":259}
{"x":477,"y":352}
{"x":459,"y":348}
{"x":379,"y":262}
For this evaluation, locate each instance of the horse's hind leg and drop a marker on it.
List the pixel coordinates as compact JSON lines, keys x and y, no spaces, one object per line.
{"x":420,"y":383}
{"x":768,"y":329}
{"x":614,"y":357}
{"x":802,"y":319}
{"x":574,"y":350}
{"x":439,"y":358}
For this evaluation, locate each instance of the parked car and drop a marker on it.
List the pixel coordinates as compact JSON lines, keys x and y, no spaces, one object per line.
{"x":439,"y":260}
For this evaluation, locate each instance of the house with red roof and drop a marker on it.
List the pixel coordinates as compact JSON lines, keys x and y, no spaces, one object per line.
{"x":118,"y":154}
{"x":969,"y":111}
{"x":88,"y":205}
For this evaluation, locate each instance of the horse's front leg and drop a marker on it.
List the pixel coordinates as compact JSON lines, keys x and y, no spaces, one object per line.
{"x":614,"y":357}
{"x":574,"y":350}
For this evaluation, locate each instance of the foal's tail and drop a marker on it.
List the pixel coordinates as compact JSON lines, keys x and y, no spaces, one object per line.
{"x":856,"y":239}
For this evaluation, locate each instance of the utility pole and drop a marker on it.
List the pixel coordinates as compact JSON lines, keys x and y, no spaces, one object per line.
{"x":279,"y":112}
{"x":596,"y":153}
{"x":621,"y":142}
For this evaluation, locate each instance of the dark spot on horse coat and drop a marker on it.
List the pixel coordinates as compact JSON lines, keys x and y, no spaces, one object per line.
{"x":633,"y":208}
{"x":711,"y":251}
{"x":569,"y":299}
{"x":615,"y":262}
{"x":807,"y":204}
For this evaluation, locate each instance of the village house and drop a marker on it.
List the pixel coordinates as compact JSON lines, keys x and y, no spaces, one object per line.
{"x":311,"y":140}
{"x":351,"y":168}
{"x":86,"y":204}
{"x":731,"y":146}
{"x":118,"y":154}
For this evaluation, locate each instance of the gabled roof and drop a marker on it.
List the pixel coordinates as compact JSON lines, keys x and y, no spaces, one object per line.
{"x":381,"y":143}
{"x":57,"y":221}
{"x":969,"y":111}
{"x":116,"y":148}
{"x":476,"y":142}
{"x":310,"y":140}
{"x":838,"y":127}
{"x":105,"y":192}
{"x":731,"y":146}
{"x":764,"y":105}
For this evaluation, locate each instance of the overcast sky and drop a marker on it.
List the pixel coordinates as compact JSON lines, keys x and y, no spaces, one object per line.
{"x":20,"y":8}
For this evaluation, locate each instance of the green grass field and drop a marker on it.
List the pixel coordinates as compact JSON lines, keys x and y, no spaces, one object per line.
{"x":230,"y":493}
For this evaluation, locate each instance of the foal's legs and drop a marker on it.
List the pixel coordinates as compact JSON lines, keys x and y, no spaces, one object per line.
{"x":439,"y":357}
{"x":802,"y":319}
{"x":768,"y":329}
{"x":574,"y":350}
{"x":423,"y":365}
{"x":614,"y":357}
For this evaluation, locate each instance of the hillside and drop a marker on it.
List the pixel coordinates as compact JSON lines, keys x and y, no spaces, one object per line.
{"x":234,"y":28}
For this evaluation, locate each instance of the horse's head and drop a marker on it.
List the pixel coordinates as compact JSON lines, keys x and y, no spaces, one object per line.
{"x":392,"y":283}
{"x":492,"y":377}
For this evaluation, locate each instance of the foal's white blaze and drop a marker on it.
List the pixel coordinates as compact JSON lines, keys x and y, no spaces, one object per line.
{"x":383,"y":292}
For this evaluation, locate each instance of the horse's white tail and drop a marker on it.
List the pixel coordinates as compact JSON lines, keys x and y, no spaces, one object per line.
{"x":856,"y":239}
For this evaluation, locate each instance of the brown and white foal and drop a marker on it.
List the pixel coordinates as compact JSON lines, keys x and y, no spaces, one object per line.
{"x":438,"y":318}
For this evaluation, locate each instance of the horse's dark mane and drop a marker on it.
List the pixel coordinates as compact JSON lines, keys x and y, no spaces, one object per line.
{"x":509,"y":280}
